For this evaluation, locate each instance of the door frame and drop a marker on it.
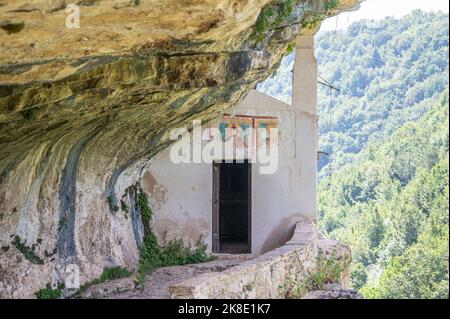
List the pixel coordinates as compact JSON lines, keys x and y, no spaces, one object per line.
{"x":216,"y":206}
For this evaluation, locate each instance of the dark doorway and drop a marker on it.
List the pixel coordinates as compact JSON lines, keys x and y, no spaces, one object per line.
{"x":232,"y":207}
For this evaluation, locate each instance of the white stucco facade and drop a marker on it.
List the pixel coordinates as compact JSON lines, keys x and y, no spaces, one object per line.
{"x":181,"y":194}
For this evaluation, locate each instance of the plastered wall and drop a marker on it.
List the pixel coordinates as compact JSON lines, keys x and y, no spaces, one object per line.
{"x":181,"y":194}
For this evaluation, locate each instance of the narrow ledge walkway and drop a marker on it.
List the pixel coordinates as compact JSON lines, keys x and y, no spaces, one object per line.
{"x":156,"y":284}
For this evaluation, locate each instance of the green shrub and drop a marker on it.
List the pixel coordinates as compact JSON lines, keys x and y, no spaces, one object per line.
{"x":28,"y":252}
{"x":175,"y":252}
{"x":49,"y":293}
{"x":144,"y":208}
{"x":114,"y":273}
{"x":290,"y":47}
{"x":286,"y":9}
{"x":328,"y":270}
{"x":152,"y":255}
{"x":263,"y":22}
{"x":332,"y":4}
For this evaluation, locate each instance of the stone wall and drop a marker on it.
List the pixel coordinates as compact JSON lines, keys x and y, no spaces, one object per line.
{"x":261,"y":277}
{"x":270,"y":275}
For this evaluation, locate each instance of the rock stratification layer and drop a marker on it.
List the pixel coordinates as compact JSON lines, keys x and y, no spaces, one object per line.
{"x":83,"y":111}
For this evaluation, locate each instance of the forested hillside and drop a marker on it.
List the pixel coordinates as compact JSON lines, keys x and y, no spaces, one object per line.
{"x":384,"y":188}
{"x":391,"y":207}
{"x":388,"y":73}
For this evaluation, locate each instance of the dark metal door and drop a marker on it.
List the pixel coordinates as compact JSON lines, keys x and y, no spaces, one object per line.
{"x":216,"y":208}
{"x":249,"y":212}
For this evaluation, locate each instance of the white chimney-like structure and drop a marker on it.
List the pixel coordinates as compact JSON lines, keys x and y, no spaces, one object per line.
{"x":304,"y":101}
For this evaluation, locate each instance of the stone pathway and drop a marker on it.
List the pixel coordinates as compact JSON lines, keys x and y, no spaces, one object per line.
{"x":334,"y":294}
{"x":157,"y":283}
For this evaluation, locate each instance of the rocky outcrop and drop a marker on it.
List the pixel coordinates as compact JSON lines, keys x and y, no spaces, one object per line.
{"x":83,"y":111}
{"x":108,"y":288}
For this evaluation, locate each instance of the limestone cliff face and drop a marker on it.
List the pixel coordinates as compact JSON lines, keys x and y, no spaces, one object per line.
{"x":83,"y":111}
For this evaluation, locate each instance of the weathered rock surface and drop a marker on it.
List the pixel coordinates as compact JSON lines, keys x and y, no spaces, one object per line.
{"x":270,"y":275}
{"x":334,"y":294}
{"x":157,"y":283}
{"x":338,"y":288}
{"x":330,"y":249}
{"x":83,"y":111}
{"x":286,"y":272}
{"x":108,"y":288}
{"x":306,"y":266}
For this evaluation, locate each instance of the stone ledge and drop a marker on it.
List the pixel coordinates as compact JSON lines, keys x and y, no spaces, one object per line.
{"x":261,"y":277}
{"x":108,"y":288}
{"x":334,"y":294}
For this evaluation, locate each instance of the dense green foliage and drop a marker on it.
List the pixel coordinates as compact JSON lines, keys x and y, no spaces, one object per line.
{"x":391,"y":207}
{"x":384,"y":188}
{"x":270,"y":18}
{"x":50,"y":293}
{"x":114,"y":273}
{"x":144,"y":208}
{"x":389,"y":72}
{"x":175,"y":252}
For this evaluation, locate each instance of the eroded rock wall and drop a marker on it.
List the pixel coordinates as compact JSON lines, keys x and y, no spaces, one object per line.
{"x":83,"y":111}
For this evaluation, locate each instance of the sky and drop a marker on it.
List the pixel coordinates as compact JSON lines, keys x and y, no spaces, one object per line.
{"x":378,"y":9}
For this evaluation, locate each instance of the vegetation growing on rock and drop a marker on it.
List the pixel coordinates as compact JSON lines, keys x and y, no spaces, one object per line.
{"x":328,"y":270}
{"x":28,"y":252}
{"x":270,"y":18}
{"x":50,"y":293}
{"x":312,"y":21}
{"x":174,"y":252}
{"x":144,"y":207}
{"x":109,"y":273}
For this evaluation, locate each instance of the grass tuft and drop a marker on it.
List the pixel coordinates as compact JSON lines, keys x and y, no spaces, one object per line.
{"x":175,"y":252}
{"x":49,"y":293}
